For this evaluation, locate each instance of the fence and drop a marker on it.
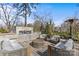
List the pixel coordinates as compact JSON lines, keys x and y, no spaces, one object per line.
{"x":20,"y":52}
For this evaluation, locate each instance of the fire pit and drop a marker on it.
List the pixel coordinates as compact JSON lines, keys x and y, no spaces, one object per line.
{"x":38,"y":43}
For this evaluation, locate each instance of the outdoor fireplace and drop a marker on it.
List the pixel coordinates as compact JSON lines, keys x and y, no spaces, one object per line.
{"x":24,"y":30}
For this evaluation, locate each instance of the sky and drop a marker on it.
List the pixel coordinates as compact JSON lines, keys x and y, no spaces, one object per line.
{"x":58,"y":11}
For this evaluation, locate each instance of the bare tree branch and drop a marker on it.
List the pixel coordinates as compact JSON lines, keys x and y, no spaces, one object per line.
{"x":7,"y":17}
{"x":4,"y":11}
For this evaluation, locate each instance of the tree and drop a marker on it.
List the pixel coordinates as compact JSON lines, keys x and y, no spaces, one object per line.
{"x":25,"y":9}
{"x":37,"y":26}
{"x":48,"y":29}
{"x":45,"y":22}
{"x":40,"y":22}
{"x":8,"y":15}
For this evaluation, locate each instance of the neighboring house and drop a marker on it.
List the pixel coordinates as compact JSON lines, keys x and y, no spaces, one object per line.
{"x":65,"y":27}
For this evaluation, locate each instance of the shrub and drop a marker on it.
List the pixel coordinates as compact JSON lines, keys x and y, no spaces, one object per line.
{"x":3,"y":30}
